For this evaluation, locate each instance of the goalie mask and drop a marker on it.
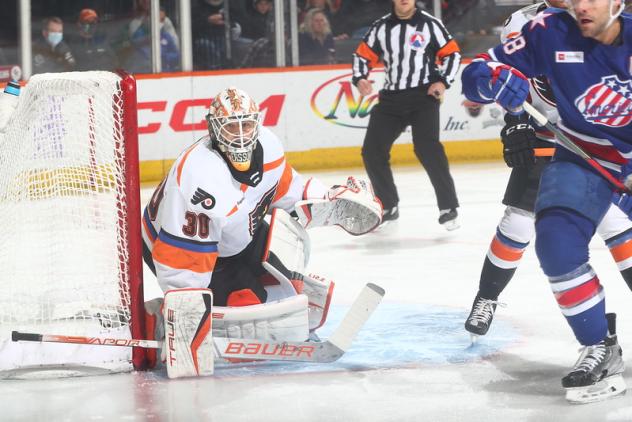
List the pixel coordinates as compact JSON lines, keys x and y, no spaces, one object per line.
{"x":233,"y":122}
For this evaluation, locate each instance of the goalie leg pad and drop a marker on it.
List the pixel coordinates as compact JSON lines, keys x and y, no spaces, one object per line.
{"x":188,"y":338}
{"x":282,"y":320}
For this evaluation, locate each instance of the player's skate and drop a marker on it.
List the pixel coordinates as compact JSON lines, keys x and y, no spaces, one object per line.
{"x":481,"y":316}
{"x":448,"y":219}
{"x":598,"y":373}
{"x":390,"y":215}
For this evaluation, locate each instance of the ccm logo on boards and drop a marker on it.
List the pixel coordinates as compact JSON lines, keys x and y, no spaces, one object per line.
{"x":179,"y":113}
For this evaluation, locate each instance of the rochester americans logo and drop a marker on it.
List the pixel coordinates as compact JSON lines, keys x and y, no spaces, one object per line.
{"x":607,"y":103}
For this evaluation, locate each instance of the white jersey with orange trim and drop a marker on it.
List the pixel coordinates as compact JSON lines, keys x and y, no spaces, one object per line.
{"x":540,"y":93}
{"x":200,"y":212}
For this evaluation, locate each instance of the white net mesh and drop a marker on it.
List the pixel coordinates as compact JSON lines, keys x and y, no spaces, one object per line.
{"x":63,"y":252}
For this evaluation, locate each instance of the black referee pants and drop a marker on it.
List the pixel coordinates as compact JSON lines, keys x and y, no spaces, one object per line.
{"x":389,"y":118}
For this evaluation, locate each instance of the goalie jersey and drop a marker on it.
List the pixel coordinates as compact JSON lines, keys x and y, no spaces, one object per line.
{"x":201,"y":212}
{"x":592,"y":81}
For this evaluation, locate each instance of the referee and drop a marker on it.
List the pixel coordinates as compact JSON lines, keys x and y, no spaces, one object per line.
{"x":409,"y":42}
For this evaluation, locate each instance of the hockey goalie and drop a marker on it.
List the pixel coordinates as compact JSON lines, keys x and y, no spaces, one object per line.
{"x":205,"y":227}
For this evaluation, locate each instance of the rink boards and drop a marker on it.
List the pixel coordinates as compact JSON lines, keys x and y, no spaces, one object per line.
{"x":316,"y":111}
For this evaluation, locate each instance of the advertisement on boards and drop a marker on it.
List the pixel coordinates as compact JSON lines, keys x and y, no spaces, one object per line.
{"x":307,"y":108}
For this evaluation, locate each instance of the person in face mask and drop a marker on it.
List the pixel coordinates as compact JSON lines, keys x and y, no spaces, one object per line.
{"x":91,"y":45}
{"x":51,"y":53}
{"x":133,"y":45}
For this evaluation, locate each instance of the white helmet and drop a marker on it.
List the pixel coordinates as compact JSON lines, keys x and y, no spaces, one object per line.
{"x":233,"y":122}
{"x":613,"y":16}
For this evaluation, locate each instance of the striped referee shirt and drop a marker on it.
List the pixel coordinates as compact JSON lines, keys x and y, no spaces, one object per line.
{"x":410,"y":50}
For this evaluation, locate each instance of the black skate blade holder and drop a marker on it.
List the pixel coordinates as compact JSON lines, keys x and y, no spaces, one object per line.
{"x":612,"y":323}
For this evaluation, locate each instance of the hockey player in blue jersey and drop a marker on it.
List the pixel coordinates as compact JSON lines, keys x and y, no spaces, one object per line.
{"x":586,"y":54}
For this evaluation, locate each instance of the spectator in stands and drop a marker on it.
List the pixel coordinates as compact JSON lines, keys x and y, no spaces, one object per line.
{"x":209,"y":35}
{"x":330,"y":9}
{"x":90,"y":44}
{"x":135,"y":47}
{"x":327,"y":6}
{"x":315,"y":42}
{"x":258,"y":22}
{"x":50,"y":52}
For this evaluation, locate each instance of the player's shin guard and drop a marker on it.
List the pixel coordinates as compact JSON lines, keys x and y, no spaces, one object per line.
{"x":562,"y":238}
{"x":503,"y":257}
{"x":582,"y":301}
{"x":188,"y":344}
{"x":620,"y":247}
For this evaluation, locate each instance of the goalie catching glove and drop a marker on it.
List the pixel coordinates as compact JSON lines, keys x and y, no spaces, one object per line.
{"x":353,"y":207}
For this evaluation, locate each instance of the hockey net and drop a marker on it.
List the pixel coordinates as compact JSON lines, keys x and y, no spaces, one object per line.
{"x":69,"y":227}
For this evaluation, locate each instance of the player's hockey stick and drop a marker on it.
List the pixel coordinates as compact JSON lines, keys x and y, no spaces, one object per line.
{"x":227,"y":348}
{"x":573,"y":147}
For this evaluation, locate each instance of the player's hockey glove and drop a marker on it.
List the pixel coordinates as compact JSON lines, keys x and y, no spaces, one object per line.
{"x":505,"y":85}
{"x":518,"y":139}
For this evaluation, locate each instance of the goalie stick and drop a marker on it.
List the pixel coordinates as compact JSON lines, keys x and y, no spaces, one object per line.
{"x":573,"y":147}
{"x":328,"y":350}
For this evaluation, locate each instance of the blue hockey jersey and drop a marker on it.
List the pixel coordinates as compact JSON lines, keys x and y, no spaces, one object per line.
{"x":592,"y":82}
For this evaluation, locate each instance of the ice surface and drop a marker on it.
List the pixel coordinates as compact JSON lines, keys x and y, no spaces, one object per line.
{"x":412,"y":362}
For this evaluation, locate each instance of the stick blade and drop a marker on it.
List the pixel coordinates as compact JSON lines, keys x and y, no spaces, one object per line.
{"x":254,"y":349}
{"x":364,"y":305}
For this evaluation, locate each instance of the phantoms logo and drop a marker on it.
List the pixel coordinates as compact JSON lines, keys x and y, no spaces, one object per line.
{"x":339,"y":102}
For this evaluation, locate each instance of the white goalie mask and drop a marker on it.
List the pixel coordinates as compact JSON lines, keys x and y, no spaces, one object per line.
{"x":233,"y":122}
{"x":613,"y":14}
